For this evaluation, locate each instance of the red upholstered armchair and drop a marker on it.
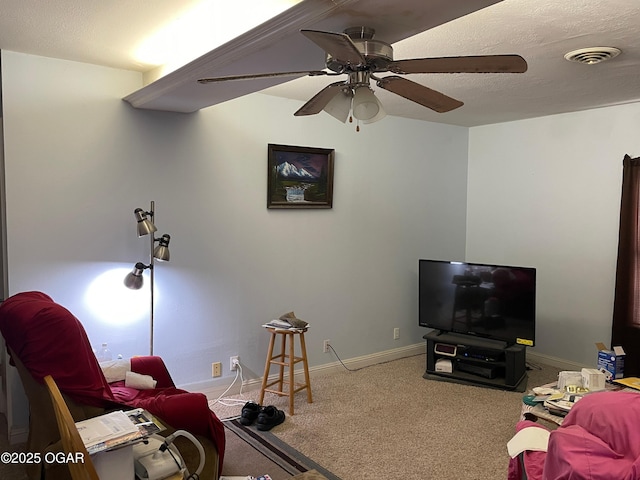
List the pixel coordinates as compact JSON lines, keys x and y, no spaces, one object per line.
{"x":44,"y":338}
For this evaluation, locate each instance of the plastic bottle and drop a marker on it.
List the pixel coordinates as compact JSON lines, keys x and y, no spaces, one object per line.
{"x":104,"y":354}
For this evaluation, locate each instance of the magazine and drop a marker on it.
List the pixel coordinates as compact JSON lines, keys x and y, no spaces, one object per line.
{"x":561,"y":404}
{"x":118,"y":428}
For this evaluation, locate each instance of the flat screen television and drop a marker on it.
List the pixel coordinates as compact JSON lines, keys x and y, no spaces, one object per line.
{"x":491,"y":301}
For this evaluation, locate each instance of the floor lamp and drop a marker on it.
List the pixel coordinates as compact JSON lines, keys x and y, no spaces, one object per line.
{"x":134,"y":280}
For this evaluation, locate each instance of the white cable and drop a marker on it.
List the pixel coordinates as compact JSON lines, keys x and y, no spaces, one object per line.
{"x":366,"y":366}
{"x":234,"y":401}
{"x":183,"y":433}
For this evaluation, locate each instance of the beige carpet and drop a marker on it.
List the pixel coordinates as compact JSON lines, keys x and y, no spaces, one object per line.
{"x":387,"y":421}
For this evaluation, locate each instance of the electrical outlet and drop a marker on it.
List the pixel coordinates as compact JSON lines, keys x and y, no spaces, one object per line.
{"x":234,"y":362}
{"x":396,"y":333}
{"x":325,"y":346}
{"x":216,"y":369}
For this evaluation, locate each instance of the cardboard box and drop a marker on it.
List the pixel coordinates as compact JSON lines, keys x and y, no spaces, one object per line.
{"x":611,"y":361}
{"x":593,"y":379}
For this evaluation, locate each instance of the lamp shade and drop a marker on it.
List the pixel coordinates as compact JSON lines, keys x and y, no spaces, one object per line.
{"x":161,"y":252}
{"x":145,"y":226}
{"x":380,"y":115}
{"x":134,"y":279}
{"x":340,"y":105}
{"x":365,"y":104}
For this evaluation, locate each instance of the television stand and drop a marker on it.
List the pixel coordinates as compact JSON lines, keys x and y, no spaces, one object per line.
{"x":475,"y":361}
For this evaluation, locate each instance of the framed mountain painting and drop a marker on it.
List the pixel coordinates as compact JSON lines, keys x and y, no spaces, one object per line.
{"x":299,"y":177}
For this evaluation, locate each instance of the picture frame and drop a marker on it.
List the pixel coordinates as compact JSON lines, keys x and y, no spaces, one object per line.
{"x":299,"y":177}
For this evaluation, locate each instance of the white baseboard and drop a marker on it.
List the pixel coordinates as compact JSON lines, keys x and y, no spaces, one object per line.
{"x":560,"y":363}
{"x":214,"y":391}
{"x":18,"y":435}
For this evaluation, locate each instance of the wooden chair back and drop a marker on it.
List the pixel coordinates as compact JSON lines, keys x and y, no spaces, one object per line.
{"x":71,"y":441}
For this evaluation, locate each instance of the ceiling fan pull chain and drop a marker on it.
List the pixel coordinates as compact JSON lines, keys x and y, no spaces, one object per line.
{"x":357,"y":122}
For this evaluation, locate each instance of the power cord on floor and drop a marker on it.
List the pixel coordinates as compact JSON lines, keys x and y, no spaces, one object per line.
{"x":340,"y":360}
{"x":533,"y":366}
{"x":232,"y":401}
{"x":367,"y":366}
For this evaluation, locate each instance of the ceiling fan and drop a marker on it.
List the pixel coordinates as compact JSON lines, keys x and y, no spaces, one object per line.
{"x":356,"y":54}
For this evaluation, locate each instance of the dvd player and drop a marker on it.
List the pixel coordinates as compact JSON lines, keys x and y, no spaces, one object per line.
{"x":486,"y":371}
{"x":482,"y":354}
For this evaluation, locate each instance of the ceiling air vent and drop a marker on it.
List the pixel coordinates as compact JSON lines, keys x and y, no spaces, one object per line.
{"x":593,"y":55}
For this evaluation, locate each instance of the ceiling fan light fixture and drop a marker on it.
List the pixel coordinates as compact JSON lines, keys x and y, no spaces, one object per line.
{"x":358,"y":55}
{"x":592,"y":55}
{"x":340,"y":105}
{"x":365,"y":104}
{"x":381,"y":114}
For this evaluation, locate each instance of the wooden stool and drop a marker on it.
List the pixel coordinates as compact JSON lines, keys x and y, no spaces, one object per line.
{"x":284,"y":359}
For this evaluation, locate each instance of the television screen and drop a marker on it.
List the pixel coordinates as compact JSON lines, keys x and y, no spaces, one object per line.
{"x":491,"y":301}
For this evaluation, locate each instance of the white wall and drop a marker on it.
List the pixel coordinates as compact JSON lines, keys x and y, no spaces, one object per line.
{"x":542,"y":192}
{"x":546,"y":193}
{"x":79,"y":160}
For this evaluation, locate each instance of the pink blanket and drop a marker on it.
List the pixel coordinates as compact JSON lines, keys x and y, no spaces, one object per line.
{"x":598,"y":440}
{"x":49,"y":340}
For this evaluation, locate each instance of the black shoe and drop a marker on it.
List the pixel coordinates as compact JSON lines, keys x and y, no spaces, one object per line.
{"x":269,"y":417}
{"x":250,"y":412}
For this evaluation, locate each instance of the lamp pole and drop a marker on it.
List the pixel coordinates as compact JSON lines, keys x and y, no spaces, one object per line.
{"x":152,"y":241}
{"x":134,"y":280}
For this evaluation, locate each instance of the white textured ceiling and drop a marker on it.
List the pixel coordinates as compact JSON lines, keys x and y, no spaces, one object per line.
{"x":542,"y":31}
{"x":102,"y":32}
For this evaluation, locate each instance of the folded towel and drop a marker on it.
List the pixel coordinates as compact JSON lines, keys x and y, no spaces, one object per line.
{"x":293,"y":320}
{"x":115,"y":370}
{"x":139,"y":381}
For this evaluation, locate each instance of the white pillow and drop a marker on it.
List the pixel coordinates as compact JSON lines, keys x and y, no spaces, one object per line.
{"x":115,"y":370}
{"x":139,"y":381}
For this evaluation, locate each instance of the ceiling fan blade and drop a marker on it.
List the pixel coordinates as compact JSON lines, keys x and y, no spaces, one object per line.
{"x":320,"y":99}
{"x":338,"y":45}
{"x":419,"y":93}
{"x":470,"y":64}
{"x":252,"y":76}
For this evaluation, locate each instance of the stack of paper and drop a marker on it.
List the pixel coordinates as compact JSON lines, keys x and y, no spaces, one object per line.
{"x":283,"y":325}
{"x":105,"y":431}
